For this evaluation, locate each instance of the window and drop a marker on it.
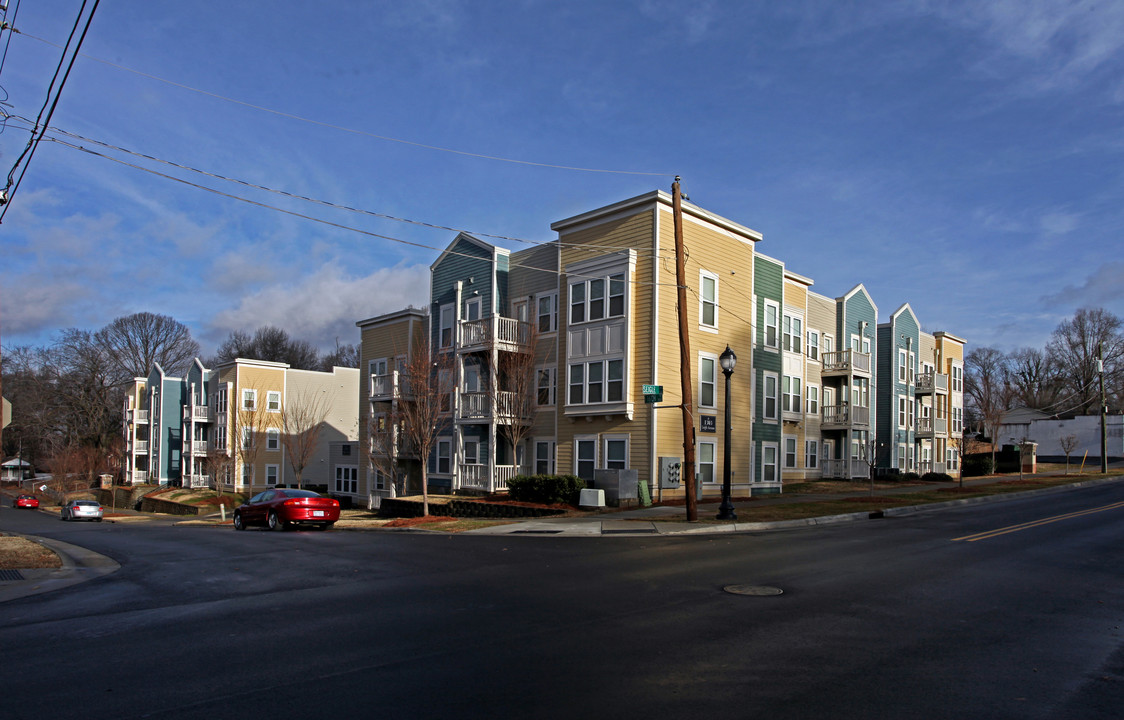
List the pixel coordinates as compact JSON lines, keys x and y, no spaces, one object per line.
{"x":544,"y":457}
{"x":273,"y":401}
{"x":247,"y":438}
{"x":270,"y":474}
{"x":471,"y":377}
{"x":772,"y":317}
{"x":585,"y":457}
{"x":769,"y":462}
{"x":272,"y":439}
{"x":769,"y":402}
{"x":546,"y":386}
{"x":707,"y":374}
{"x":706,"y":462}
{"x":901,"y":412}
{"x":789,"y":452}
{"x":471,"y":452}
{"x":708,"y":300}
{"x":953,"y":460}
{"x":901,"y":366}
{"x":813,"y":345}
{"x":811,"y":454}
{"x":548,"y":312}
{"x":911,"y":368}
{"x":249,"y":399}
{"x":447,"y":326}
{"x":828,"y":343}
{"x":616,"y":453}
{"x":596,"y":299}
{"x":616,"y":295}
{"x":901,"y":457}
{"x":248,"y":475}
{"x":220,"y":401}
{"x":444,"y":456}
{"x":345,"y":450}
{"x":347,"y":479}
{"x":813,"y":394}
{"x":909,"y":421}
{"x":596,"y":382}
{"x":957,"y":420}
{"x":957,"y":378}
{"x":472,"y":309}
{"x":793,"y":331}
{"x":791,"y":391}
{"x":577,"y":302}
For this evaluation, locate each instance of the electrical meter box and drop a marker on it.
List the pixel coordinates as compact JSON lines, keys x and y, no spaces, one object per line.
{"x":669,"y":473}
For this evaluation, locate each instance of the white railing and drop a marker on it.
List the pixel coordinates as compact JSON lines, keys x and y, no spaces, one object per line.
{"x":140,"y":416}
{"x":846,"y":415}
{"x":927,"y":382}
{"x":927,"y":426}
{"x":846,"y":360}
{"x":199,"y":447}
{"x":389,"y":385}
{"x":508,"y":331}
{"x":476,"y":477}
{"x":141,"y":447}
{"x":198,"y":481}
{"x":478,"y":405}
{"x":140,"y":476}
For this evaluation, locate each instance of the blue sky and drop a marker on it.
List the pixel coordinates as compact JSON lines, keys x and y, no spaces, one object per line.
{"x":962,"y":157}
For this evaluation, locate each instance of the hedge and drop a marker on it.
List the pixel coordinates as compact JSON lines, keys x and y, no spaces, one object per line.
{"x":545,"y":489}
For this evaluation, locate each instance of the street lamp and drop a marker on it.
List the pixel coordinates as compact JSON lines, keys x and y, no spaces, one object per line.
{"x":726,"y":510}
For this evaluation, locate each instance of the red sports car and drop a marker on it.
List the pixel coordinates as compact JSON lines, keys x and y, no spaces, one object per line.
{"x":27,"y":501}
{"x":280,"y":508}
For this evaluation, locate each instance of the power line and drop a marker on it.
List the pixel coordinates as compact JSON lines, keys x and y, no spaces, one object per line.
{"x":41,"y":129}
{"x":364,"y":133}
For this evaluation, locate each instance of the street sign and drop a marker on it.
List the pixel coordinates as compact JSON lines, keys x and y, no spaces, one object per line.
{"x":651,"y":389}
{"x":652,"y":399}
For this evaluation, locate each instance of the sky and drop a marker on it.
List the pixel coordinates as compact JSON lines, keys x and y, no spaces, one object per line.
{"x":962,"y":157}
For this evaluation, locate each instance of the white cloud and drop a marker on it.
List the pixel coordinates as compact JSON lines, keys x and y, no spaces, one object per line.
{"x":1059,"y":223}
{"x":325,"y":305}
{"x":1100,"y":289}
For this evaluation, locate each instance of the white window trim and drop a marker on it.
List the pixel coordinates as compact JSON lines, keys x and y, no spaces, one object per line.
{"x":716,"y":370}
{"x":269,"y":397}
{"x":552,"y":455}
{"x":272,"y":439}
{"x":551,"y":372}
{"x":578,"y":440}
{"x":811,"y":454}
{"x":808,"y":390}
{"x":253,"y":397}
{"x":776,"y":463}
{"x":809,"y":345}
{"x":466,"y":443}
{"x":713,"y":463}
{"x":766,"y":306}
{"x":711,"y":328}
{"x":276,"y":474}
{"x":552,"y":297}
{"x":443,"y":440}
{"x":791,"y":340}
{"x":615,"y":437}
{"x":785,"y":441}
{"x":765,"y":377}
{"x":447,"y":313}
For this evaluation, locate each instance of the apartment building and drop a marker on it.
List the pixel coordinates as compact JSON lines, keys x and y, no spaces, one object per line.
{"x":238,"y":425}
{"x":594,"y":314}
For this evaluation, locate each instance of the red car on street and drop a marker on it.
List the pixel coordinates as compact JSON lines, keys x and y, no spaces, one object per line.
{"x":281,"y":508}
{"x":26,"y":501}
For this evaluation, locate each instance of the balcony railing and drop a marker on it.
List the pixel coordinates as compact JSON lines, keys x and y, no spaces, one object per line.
{"x":140,"y":416}
{"x":140,"y":477}
{"x":844,"y":469}
{"x":476,"y":477}
{"x":198,"y":413}
{"x":846,"y":362}
{"x":389,"y":386}
{"x":508,"y":333}
{"x":845,"y":416}
{"x":478,"y":406}
{"x":928,"y":427}
{"x":197,"y":481}
{"x":927,"y":383}
{"x":141,"y":447}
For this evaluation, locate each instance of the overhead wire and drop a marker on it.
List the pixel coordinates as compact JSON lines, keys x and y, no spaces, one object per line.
{"x":41,"y":128}
{"x":342,"y":128}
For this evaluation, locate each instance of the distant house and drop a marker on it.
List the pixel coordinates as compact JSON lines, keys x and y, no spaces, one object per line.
{"x":1047,"y":431}
{"x":15,"y":470}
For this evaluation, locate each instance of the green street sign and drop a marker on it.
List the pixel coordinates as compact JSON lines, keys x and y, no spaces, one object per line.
{"x":650,"y":399}
{"x":652,"y":389}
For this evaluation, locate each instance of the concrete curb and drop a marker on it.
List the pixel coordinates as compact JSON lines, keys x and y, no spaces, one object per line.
{"x":78,"y":566}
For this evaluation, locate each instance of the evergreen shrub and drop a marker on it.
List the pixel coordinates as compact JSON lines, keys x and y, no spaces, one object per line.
{"x":545,"y":489}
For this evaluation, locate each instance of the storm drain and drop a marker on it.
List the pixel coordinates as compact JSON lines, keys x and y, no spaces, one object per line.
{"x":753,"y":590}
{"x":536,"y":532}
{"x":6,"y":575}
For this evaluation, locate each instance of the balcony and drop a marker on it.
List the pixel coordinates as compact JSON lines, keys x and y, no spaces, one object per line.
{"x":476,"y":477}
{"x":928,"y":383}
{"x":198,"y":413}
{"x":506,"y":334}
{"x":140,"y":477}
{"x":138,"y":416}
{"x":843,"y":469}
{"x":846,"y":362}
{"x":140,"y":447}
{"x":197,"y":481}
{"x":389,"y":386}
{"x":928,"y":428}
{"x":478,"y":406}
{"x":845,"y":417}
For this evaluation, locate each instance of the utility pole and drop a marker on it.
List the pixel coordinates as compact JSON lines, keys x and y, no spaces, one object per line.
{"x":688,"y":470}
{"x":1104,"y":410}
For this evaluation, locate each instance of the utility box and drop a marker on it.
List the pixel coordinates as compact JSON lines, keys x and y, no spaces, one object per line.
{"x":669,"y":473}
{"x":591,"y":497}
{"x":618,"y":485}
{"x":1028,"y":457}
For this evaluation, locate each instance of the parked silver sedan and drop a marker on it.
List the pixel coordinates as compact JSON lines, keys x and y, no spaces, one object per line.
{"x":81,"y":510}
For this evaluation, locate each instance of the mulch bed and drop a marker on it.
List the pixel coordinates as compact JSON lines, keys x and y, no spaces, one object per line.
{"x":413,"y":522}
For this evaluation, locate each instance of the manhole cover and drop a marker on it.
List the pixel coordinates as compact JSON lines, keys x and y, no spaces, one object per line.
{"x":755,"y":590}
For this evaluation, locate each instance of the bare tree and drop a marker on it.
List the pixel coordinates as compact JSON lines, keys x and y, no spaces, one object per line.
{"x":1077,"y":344}
{"x":428,"y":413}
{"x":302,"y":424}
{"x":869,"y":451}
{"x":1069,"y":444}
{"x":271,"y":344}
{"x":384,"y":439}
{"x":985,"y":383}
{"x":1035,"y":378}
{"x":345,"y":355}
{"x":135,"y":342}
{"x":515,"y":392}
{"x":219,"y":463}
{"x":249,"y":425}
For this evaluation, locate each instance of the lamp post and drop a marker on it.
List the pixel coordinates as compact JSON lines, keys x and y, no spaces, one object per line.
{"x":726,"y":510}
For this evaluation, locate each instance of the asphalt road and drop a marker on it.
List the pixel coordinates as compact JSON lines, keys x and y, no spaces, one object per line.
{"x":908,"y":617}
